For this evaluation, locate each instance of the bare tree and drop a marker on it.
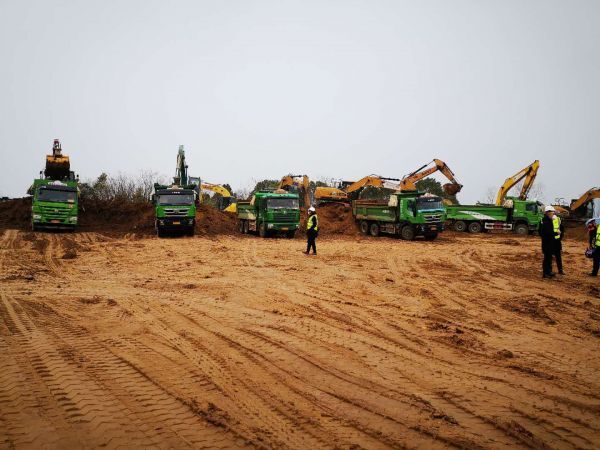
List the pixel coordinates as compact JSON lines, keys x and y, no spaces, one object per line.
{"x":490,"y":195}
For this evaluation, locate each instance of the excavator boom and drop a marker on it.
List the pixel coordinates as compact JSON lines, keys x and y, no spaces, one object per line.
{"x":408,"y":183}
{"x":587,"y":197}
{"x":528,"y":174}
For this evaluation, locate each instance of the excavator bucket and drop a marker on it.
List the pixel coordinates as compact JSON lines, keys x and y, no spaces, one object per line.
{"x":57,"y":167}
{"x":452,"y":188}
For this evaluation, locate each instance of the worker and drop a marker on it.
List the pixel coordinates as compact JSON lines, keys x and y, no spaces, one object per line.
{"x":548,"y":235}
{"x":559,"y":231}
{"x":312,"y":230}
{"x":593,"y":226}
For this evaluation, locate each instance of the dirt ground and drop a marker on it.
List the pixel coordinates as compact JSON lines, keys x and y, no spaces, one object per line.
{"x":233,"y":341}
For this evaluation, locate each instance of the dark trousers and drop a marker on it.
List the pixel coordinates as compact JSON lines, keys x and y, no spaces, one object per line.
{"x":310,"y":241}
{"x":558,"y":256}
{"x":547,"y":263}
{"x":596,"y":261}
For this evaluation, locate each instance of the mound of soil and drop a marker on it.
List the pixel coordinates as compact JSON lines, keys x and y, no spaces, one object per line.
{"x":334,"y":218}
{"x":118,"y":217}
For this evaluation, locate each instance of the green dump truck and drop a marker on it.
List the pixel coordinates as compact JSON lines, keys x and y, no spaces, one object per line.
{"x":519,"y":216}
{"x":55,"y":204}
{"x":175,"y":209}
{"x":270,"y":213}
{"x":406,"y":214}
{"x":55,"y":195}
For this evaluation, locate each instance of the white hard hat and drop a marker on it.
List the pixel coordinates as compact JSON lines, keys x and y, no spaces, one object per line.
{"x":549,"y":208}
{"x":312,"y":209}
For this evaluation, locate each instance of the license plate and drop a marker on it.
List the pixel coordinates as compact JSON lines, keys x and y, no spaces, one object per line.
{"x":434,"y":227}
{"x":177,"y":222}
{"x":284,"y":228}
{"x":55,"y":221}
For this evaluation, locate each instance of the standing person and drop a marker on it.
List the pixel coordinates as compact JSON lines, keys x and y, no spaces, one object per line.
{"x":312,"y":230}
{"x":559,"y":231}
{"x":594,"y":242}
{"x":546,"y":232}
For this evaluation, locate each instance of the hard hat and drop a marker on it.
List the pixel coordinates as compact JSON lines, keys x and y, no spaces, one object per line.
{"x":311,"y":209}
{"x":549,"y":208}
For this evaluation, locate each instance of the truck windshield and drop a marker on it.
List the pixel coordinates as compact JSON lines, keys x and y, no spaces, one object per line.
{"x":53,"y":195}
{"x":279,"y":203}
{"x":176,"y":199}
{"x":425,"y":203}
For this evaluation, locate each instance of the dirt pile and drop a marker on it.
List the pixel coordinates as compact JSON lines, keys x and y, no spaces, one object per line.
{"x":211,"y":221}
{"x":334,"y":219}
{"x":15,"y":213}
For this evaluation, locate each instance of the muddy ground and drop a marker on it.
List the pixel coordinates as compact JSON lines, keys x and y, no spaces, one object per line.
{"x":227,"y":341}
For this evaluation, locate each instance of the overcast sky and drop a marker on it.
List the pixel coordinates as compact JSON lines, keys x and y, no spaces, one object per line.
{"x":342,"y":89}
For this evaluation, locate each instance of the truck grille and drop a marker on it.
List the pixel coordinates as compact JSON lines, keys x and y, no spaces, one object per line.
{"x":176,"y":212}
{"x":281,"y":217}
{"x":433,"y":218}
{"x":50,"y":211}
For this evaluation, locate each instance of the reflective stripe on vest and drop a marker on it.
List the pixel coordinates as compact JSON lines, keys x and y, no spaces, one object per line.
{"x":316,"y":221}
{"x":556,"y":225}
{"x":598,"y":236}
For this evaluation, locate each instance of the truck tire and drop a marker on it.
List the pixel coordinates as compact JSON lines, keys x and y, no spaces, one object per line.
{"x":291,"y":234}
{"x":522,"y":229}
{"x":364,"y":227}
{"x":160,"y":233}
{"x":475,"y":227}
{"x":407,"y":233}
{"x":246,"y":227}
{"x":241,"y":226}
{"x":374,"y":229}
{"x":191,"y":231}
{"x":460,"y":225}
{"x":262,"y":230}
{"x":430,"y":236}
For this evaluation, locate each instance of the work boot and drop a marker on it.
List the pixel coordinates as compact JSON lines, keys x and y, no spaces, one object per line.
{"x":560,"y":272}
{"x":548,"y":275}
{"x":592,"y":274}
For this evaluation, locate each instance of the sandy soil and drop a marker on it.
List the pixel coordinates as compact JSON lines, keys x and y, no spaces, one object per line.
{"x":232,"y":341}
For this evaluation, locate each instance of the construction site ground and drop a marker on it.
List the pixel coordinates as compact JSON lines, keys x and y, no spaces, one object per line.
{"x":225,"y":341}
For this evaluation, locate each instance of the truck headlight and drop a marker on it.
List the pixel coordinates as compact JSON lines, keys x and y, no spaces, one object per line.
{"x":36,"y":217}
{"x":270,"y":225}
{"x":191,"y":221}
{"x":73,"y":219}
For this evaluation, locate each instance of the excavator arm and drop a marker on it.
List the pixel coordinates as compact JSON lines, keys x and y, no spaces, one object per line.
{"x":226,"y":203}
{"x":528,"y":174}
{"x":408,"y":183}
{"x":369,"y":180}
{"x":589,"y":195}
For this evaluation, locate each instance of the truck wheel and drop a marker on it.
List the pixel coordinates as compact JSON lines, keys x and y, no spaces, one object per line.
{"x":460,"y":225}
{"x":522,"y":229}
{"x":242,"y":227}
{"x":246,"y":227}
{"x":262,"y":230}
{"x":291,"y":234}
{"x":34,"y":227}
{"x":430,"y":236}
{"x":191,"y":231}
{"x":475,"y":227}
{"x":160,"y":233}
{"x":407,"y":233}
{"x":374,"y":229}
{"x":364,"y":227}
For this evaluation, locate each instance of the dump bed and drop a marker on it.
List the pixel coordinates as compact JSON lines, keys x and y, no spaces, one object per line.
{"x":246,"y":211}
{"x":477,"y":212}
{"x":374,"y":210}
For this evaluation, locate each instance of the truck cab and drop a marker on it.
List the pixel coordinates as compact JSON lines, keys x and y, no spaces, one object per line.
{"x":55,"y":204}
{"x":270,"y":213}
{"x":175,"y":210}
{"x":525,"y":215}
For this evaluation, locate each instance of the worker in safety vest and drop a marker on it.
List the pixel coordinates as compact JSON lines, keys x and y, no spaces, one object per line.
{"x":548,"y":235}
{"x":559,"y":231}
{"x":593,"y":226}
{"x":312,"y":230}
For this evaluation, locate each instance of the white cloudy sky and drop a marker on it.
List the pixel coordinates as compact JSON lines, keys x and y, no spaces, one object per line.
{"x":258,"y":89}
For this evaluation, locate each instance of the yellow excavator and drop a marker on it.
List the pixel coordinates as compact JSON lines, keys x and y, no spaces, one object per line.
{"x":527,"y":174}
{"x":408,"y":183}
{"x":350,"y":190}
{"x":226,"y":202}
{"x":299,"y":184}
{"x":577,"y":209}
